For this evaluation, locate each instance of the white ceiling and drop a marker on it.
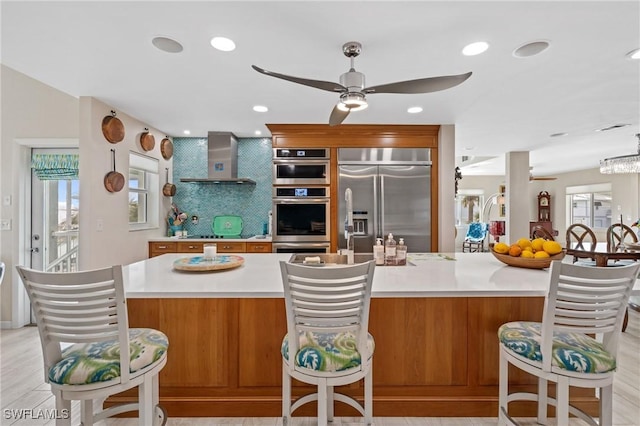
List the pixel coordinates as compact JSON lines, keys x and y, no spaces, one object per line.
{"x":581,"y":83}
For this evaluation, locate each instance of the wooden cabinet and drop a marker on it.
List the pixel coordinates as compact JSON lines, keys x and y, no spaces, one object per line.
{"x":190,"y":247}
{"x":231,"y":247}
{"x":157,"y":248}
{"x":253,"y":247}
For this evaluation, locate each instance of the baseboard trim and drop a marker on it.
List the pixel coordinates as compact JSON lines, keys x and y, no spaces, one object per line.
{"x":6,"y":325}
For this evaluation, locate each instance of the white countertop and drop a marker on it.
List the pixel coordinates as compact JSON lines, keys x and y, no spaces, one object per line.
{"x":470,"y":274}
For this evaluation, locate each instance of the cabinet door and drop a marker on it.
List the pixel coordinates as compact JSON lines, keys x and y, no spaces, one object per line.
{"x":258,"y":247}
{"x":190,"y":247}
{"x":158,"y":248}
{"x":234,"y":247}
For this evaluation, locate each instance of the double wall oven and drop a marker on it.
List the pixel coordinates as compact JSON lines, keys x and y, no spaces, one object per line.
{"x":301,"y":203}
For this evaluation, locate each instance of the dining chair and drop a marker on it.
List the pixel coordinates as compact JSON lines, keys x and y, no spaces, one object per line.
{"x":539,"y":231}
{"x":327,"y":342}
{"x":582,"y":301}
{"x":581,"y":237}
{"x":474,"y":240}
{"x":83,"y":324}
{"x":619,"y":234}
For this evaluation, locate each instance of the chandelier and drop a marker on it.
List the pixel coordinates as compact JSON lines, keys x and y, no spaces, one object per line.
{"x":623,"y":163}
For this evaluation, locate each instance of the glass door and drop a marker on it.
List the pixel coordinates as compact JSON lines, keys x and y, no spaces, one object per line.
{"x":55,"y":206}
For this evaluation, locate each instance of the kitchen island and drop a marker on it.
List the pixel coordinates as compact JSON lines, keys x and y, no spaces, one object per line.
{"x":434,"y":323}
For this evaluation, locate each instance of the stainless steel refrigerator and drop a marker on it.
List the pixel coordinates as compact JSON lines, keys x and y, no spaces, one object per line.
{"x":391,"y":193}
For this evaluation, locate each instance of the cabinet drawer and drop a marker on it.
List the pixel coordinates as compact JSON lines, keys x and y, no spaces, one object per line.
{"x":158,"y":248}
{"x":258,"y":247}
{"x":190,"y":247}
{"x":231,"y":247}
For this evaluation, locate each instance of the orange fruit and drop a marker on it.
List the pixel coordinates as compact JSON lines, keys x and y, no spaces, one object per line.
{"x":515,"y":250}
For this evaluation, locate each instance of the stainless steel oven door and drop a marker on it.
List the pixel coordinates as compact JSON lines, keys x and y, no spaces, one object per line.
{"x":300,"y":247}
{"x":301,"y":220}
{"x":301,"y":172}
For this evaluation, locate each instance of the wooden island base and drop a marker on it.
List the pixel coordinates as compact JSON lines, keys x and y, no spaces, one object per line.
{"x":434,"y":357}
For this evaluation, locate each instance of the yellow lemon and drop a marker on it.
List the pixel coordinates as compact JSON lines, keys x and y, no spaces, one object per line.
{"x":501,"y":248}
{"x":537,"y":244}
{"x":552,"y":247}
{"x":515,"y":250}
{"x":528,"y":254}
{"x":524,"y":242}
{"x":541,"y":255}
{"x":527,"y":248}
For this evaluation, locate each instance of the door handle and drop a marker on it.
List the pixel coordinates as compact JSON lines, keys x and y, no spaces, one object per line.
{"x":34,"y":250}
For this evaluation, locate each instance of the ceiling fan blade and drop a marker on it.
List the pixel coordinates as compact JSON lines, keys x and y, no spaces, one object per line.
{"x":318,"y":84}
{"x":421,"y":85}
{"x":337,"y":116}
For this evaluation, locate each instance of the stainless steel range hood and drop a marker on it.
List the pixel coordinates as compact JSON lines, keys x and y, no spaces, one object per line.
{"x":222,"y":162}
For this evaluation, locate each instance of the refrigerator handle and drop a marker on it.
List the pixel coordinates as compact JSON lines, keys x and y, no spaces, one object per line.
{"x":382,"y":208}
{"x":376,"y":224}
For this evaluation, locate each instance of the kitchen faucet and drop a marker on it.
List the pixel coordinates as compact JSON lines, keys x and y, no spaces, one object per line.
{"x":348,"y":224}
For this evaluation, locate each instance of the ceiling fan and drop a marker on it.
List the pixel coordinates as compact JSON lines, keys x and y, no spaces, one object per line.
{"x":353,"y":91}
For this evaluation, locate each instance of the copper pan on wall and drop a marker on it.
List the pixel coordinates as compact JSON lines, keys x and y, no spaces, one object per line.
{"x":112,"y":128}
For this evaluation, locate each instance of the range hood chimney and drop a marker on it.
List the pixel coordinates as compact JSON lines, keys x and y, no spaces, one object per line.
{"x":222,"y":160}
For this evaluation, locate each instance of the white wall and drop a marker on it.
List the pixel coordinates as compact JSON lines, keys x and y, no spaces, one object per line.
{"x":115,"y":244}
{"x":34,"y":111}
{"x":31,"y":110}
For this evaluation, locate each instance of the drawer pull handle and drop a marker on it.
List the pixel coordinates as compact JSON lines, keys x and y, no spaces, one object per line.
{"x":192,"y":247}
{"x":162,"y":247}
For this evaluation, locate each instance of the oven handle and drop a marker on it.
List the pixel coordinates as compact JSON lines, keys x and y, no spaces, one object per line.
{"x":302,"y":161}
{"x":301,"y":200}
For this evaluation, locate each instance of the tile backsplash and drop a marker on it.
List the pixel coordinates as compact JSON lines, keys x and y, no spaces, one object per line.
{"x":207,"y":200}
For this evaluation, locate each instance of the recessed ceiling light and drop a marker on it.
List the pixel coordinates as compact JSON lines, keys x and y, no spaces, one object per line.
{"x":167,"y":45}
{"x":556,"y":135}
{"x":634,"y":54}
{"x":475,"y":48}
{"x":531,"y":49}
{"x":223,"y":43}
{"x":260,"y":108}
{"x":257,"y":132}
{"x":414,"y":110}
{"x":187,"y":132}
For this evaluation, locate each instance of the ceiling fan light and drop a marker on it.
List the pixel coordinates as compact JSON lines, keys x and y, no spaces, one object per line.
{"x":352,"y":102}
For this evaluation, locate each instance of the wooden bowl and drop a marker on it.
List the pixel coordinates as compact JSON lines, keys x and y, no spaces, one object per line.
{"x":524,"y":262}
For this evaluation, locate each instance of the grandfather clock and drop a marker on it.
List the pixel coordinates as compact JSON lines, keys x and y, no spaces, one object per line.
{"x":544,"y":207}
{"x":544,"y":214}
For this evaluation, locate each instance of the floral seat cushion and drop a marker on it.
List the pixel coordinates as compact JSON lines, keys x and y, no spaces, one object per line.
{"x":477,"y":232}
{"x":84,"y":363}
{"x":571,"y":351}
{"x":327,"y":351}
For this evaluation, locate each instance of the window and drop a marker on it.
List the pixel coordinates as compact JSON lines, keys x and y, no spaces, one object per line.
{"x":143,"y":192}
{"x":468,"y":205}
{"x":590,"y":205}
